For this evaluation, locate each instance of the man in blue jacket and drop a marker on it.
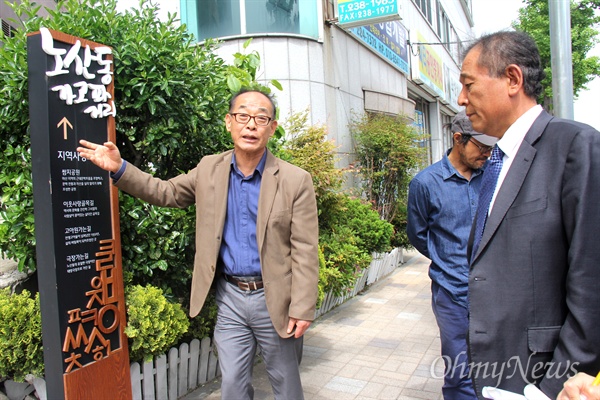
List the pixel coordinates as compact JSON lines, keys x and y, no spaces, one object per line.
{"x":442,"y":201}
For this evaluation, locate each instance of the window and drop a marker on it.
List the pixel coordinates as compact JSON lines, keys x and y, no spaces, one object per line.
{"x":425,"y":7}
{"x":217,"y":18}
{"x":421,"y":125}
{"x":456,"y":46}
{"x":443,"y":27}
{"x":447,"y":134}
{"x":222,"y":18}
{"x":272,"y":16}
{"x":447,"y":34}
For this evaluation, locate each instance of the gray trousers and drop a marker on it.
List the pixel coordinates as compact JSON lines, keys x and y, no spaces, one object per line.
{"x":243,"y":323}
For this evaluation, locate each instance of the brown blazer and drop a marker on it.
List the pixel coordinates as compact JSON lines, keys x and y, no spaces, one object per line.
{"x":286,"y":229}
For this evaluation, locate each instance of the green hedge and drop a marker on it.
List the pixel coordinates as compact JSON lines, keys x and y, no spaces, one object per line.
{"x":153,"y":323}
{"x":21,"y":350}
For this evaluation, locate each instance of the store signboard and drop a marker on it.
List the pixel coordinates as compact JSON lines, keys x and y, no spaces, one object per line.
{"x":453,"y":88}
{"x":388,"y":40}
{"x":353,"y":13}
{"x":427,"y":67}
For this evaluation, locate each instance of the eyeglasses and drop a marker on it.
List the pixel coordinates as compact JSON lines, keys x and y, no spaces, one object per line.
{"x":482,"y":149}
{"x":260,"y":120}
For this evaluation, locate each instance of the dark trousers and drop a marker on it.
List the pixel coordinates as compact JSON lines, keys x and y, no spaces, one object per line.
{"x":453,"y":321}
{"x":243,"y":323}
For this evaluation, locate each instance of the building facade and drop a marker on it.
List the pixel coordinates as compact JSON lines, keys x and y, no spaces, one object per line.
{"x":338,"y":70}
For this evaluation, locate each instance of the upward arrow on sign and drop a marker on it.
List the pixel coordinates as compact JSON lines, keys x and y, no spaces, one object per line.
{"x":64,"y":122}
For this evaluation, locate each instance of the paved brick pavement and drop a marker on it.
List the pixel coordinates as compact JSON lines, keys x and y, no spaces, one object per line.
{"x":382,"y":344}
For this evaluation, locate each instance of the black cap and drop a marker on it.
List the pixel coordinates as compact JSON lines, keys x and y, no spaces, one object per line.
{"x":462,"y":124}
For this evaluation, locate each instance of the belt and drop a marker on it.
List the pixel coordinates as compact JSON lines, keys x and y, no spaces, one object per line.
{"x":252,"y":285}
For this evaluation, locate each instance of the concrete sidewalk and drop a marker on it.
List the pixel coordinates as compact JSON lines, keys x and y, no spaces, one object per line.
{"x":382,"y":344}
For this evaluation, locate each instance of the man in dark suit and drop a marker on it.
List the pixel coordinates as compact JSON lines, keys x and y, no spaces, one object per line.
{"x":534,"y":297}
{"x":256,"y":236}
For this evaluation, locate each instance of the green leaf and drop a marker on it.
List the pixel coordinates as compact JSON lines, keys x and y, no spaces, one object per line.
{"x":276,"y":83}
{"x":234,"y":83}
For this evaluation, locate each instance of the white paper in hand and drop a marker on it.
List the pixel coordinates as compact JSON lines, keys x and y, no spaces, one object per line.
{"x":500,"y":394}
{"x":532,"y":392}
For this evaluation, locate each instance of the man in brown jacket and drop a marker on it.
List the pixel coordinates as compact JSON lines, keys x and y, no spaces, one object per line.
{"x":256,"y":235}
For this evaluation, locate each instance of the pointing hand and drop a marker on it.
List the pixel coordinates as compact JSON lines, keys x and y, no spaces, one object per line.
{"x":106,"y":156}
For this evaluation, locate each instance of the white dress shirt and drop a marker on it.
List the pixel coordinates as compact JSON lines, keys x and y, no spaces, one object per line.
{"x":510,"y":143}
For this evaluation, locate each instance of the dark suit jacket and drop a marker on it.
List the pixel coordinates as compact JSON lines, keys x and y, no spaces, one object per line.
{"x":286,"y":229}
{"x":534,"y":284}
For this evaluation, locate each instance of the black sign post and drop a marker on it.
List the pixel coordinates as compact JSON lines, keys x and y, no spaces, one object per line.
{"x":71,"y":97}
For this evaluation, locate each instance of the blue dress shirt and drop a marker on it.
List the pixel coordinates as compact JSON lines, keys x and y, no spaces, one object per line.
{"x":117,"y":175}
{"x":441,"y":207}
{"x":239,"y":249}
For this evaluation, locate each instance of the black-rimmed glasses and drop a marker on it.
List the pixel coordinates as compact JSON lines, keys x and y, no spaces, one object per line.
{"x":260,"y":120}
{"x":482,"y":148}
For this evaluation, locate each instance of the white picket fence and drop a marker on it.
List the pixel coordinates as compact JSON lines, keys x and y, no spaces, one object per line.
{"x":169,"y":377}
{"x":381,"y":266}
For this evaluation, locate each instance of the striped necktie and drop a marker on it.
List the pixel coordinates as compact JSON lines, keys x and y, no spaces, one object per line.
{"x":488,"y":185}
